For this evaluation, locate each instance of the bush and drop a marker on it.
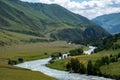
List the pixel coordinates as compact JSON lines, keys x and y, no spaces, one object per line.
{"x":105,"y":60}
{"x":45,"y":53}
{"x":113,"y":59}
{"x":68,"y":66}
{"x":20,"y":60}
{"x":12,"y":62}
{"x":76,"y":52}
{"x":76,"y":66}
{"x":119,"y":55}
{"x":51,"y":61}
{"x":56,"y":55}
{"x":82,"y":69}
{"x":90,"y":68}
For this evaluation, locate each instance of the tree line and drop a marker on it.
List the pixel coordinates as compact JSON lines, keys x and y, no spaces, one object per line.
{"x":107,"y":43}
{"x":14,"y":62}
{"x":76,"y":52}
{"x":73,"y":52}
{"x":74,"y":65}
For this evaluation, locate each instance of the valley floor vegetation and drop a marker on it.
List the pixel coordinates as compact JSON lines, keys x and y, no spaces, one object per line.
{"x":18,"y":53}
{"x":101,"y":63}
{"x":74,"y":65}
{"x":26,"y":36}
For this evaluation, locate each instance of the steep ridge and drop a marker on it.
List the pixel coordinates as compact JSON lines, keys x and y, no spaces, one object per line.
{"x":45,"y":20}
{"x":110,"y":22}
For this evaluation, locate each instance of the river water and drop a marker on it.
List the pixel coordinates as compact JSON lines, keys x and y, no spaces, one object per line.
{"x":39,"y":65}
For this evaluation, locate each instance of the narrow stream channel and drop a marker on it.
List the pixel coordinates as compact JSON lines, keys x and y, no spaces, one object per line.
{"x":39,"y":65}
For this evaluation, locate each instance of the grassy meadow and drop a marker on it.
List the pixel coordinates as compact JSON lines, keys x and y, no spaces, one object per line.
{"x":8,"y":72}
{"x":31,"y":51}
{"x":111,"y":69}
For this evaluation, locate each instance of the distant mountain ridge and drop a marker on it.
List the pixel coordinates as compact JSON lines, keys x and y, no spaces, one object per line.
{"x":110,"y":22}
{"x":47,"y":21}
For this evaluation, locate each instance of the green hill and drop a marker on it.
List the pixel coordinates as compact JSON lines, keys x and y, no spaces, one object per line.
{"x":47,"y":21}
{"x":109,"y":22}
{"x":108,"y":49}
{"x":9,"y":38}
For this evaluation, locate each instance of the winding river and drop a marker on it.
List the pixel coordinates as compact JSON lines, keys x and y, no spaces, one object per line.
{"x":39,"y":65}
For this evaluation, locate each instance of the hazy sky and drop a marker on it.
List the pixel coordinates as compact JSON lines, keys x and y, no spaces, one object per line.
{"x":87,"y":8}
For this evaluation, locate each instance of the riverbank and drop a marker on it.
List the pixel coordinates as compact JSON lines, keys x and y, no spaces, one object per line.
{"x":90,"y":51}
{"x":60,"y":64}
{"x":29,"y":52}
{"x":40,"y":65}
{"x":111,"y":70}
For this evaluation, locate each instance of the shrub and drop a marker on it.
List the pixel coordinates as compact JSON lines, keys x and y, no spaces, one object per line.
{"x":76,"y":52}
{"x":51,"y":61}
{"x":68,"y":66}
{"x":20,"y":60}
{"x":90,"y":68}
{"x":45,"y":53}
{"x":12,"y":62}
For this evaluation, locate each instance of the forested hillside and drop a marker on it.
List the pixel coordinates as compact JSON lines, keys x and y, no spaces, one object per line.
{"x":47,"y":21}
{"x":110,"y":22}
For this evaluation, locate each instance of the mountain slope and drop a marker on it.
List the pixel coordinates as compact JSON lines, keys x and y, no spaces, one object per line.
{"x":45,"y":20}
{"x":110,"y":22}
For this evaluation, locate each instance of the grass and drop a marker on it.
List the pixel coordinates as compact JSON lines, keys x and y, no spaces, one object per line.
{"x":59,"y":65}
{"x":35,"y":49}
{"x":31,"y":51}
{"x":14,"y":37}
{"x":85,"y":48}
{"x":13,"y":73}
{"x":118,"y":42}
{"x":82,"y":58}
{"x":111,"y":69}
